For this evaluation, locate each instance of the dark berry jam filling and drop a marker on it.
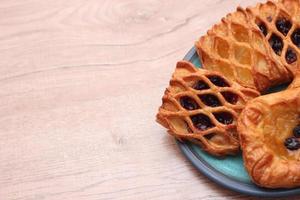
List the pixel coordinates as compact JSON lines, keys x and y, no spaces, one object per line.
{"x":188,"y":103}
{"x":290,"y":56}
{"x":201,"y":122}
{"x":200,"y":85}
{"x":209,"y":136}
{"x":292,"y":143}
{"x":210,"y":100}
{"x":263,"y":28}
{"x":296,"y":131}
{"x":276,"y":44}
{"x":296,"y":37}
{"x":224,"y":117}
{"x":230,"y":97}
{"x":283,"y":26}
{"x":218,"y":81}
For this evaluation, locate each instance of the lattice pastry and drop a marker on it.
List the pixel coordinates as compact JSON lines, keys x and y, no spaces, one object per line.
{"x":270,"y":139}
{"x":237,"y":48}
{"x":203,"y":107}
{"x":279,"y":23}
{"x":296,"y":81}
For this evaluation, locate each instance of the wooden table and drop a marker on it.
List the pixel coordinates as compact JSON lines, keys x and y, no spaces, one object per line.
{"x":81,"y":81}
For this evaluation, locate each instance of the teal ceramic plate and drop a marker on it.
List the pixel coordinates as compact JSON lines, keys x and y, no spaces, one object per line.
{"x":228,"y":172}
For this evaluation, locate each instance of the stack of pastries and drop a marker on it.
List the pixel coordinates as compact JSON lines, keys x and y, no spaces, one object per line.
{"x":224,"y":106}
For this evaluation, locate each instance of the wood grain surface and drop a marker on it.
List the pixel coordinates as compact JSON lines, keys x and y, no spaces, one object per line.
{"x":80,"y":84}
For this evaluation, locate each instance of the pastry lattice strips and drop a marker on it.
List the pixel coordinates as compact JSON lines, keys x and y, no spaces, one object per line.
{"x":296,"y":81}
{"x":237,"y":49}
{"x":203,"y":106}
{"x":279,"y":23}
{"x":269,"y":135}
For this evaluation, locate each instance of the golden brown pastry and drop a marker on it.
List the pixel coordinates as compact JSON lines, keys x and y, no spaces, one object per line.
{"x":296,"y":82}
{"x":239,"y":50}
{"x":278,"y":22}
{"x":203,"y":107}
{"x":269,"y":134}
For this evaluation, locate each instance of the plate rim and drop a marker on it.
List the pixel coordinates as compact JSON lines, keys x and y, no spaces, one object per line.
{"x":221,"y":179}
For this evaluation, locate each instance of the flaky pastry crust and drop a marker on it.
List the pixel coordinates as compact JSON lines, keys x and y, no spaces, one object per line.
{"x":269,"y":15}
{"x":237,"y":48}
{"x":185,"y":104}
{"x":263,"y":126}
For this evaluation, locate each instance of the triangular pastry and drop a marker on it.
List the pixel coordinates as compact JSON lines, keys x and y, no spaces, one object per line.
{"x":203,"y":106}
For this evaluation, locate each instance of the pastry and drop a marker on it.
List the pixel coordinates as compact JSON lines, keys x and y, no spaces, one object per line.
{"x":203,"y":107}
{"x":296,"y":81}
{"x":278,"y":22}
{"x":240,"y":51}
{"x":269,"y":135}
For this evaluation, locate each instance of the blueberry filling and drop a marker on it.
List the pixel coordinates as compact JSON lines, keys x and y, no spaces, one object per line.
{"x":218,"y":81}
{"x":224,"y":117}
{"x":292,"y":143}
{"x":210,"y":100}
{"x":263,"y":28}
{"x":296,"y":37}
{"x":209,"y":136}
{"x":188,"y":103}
{"x":201,"y":122}
{"x":283,"y":26}
{"x":290,"y":56}
{"x":296,"y":131}
{"x":230,"y":97}
{"x":200,"y":85}
{"x":276,"y":44}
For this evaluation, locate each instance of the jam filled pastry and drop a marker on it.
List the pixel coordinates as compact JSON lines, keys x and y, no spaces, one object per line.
{"x":269,"y":130}
{"x":203,"y":107}
{"x":244,"y":51}
{"x":279,"y":23}
{"x":296,"y":81}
